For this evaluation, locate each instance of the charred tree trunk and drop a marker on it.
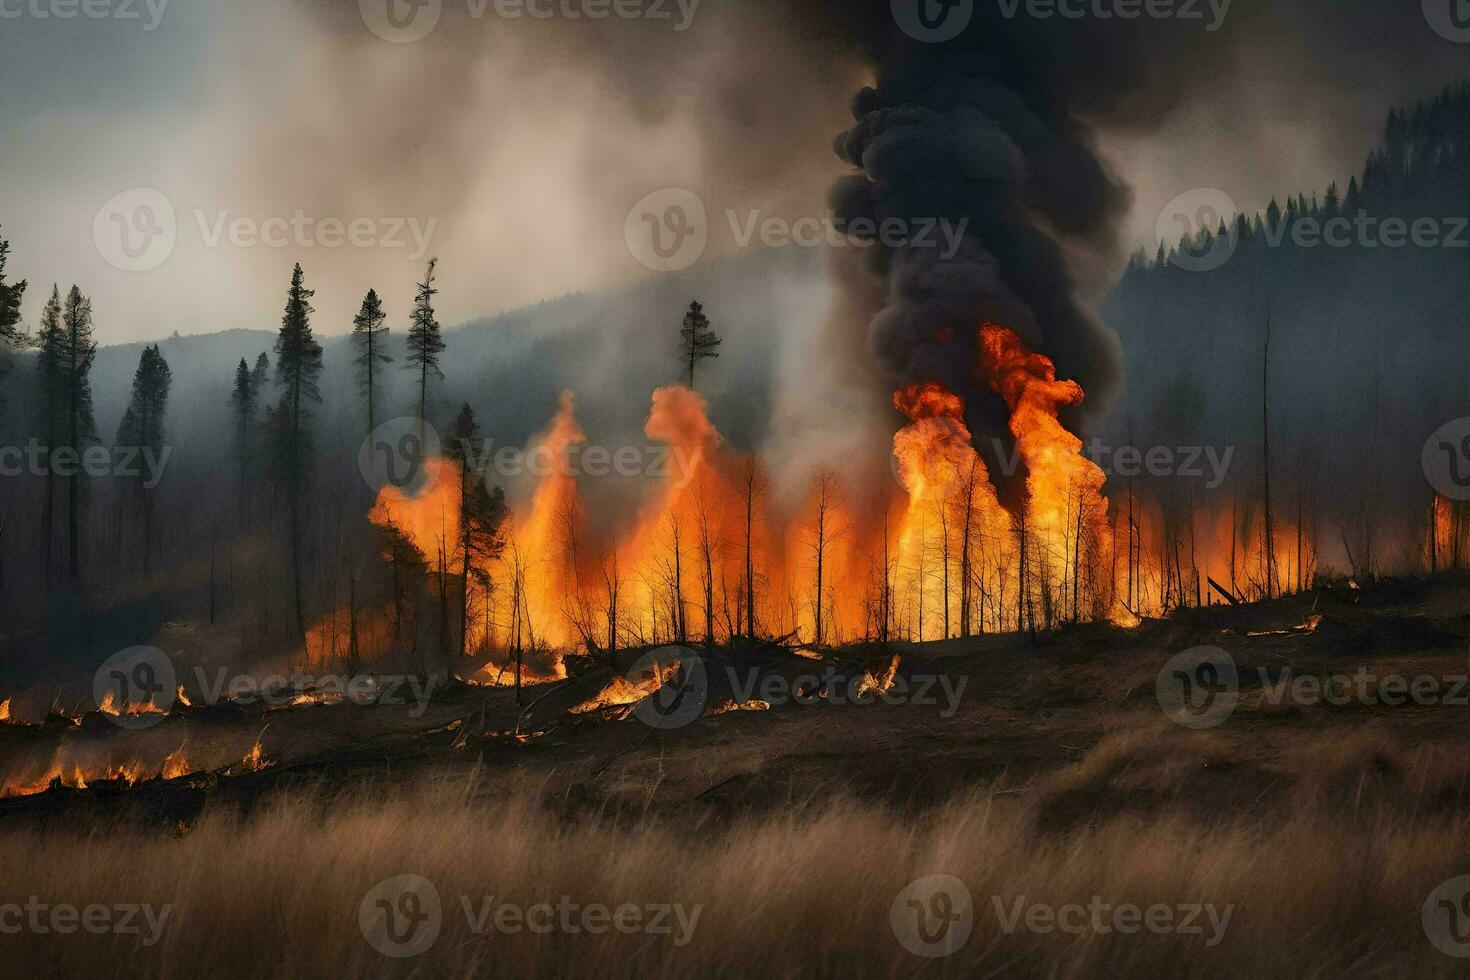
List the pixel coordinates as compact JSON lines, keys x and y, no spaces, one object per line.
{"x":1269,"y":545}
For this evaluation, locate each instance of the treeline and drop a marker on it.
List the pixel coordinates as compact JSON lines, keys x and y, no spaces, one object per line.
{"x":238,"y":514}
{"x":1364,"y":294}
{"x":255,"y":542}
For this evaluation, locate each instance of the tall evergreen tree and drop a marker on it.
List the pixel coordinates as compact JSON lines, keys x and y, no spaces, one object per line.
{"x":482,"y":514}
{"x":424,"y":343}
{"x":298,"y":366}
{"x":49,"y":382}
{"x":11,"y":334}
{"x":698,"y":341}
{"x":78,"y":350}
{"x":260,"y":375}
{"x":369,"y":338}
{"x":142,"y":428}
{"x":243,"y":402}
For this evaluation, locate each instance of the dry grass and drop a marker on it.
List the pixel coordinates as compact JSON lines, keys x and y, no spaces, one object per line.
{"x":1317,"y":889}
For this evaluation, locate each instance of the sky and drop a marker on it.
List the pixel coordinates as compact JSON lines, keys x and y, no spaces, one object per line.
{"x":175,"y":158}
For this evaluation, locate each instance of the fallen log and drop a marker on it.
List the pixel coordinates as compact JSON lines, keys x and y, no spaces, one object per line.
{"x":1223,"y":591}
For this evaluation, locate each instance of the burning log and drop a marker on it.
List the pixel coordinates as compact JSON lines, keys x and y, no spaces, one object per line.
{"x":730,"y":705}
{"x":878,"y":678}
{"x":622,"y":691}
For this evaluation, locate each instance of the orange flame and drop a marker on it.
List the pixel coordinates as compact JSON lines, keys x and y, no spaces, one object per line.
{"x":1065,"y":510}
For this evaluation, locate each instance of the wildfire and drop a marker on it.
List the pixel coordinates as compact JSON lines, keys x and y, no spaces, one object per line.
{"x":730,"y":705}
{"x":182,"y":698}
{"x":175,"y":764}
{"x":1065,"y":511}
{"x":255,"y":759}
{"x":879,"y":678}
{"x":719,"y":549}
{"x":109,"y":706}
{"x":126,"y":773}
{"x":950,"y":498}
{"x":429,"y":518}
{"x":623,"y":691}
{"x":315,"y":698}
{"x":5,"y":710}
{"x":75,"y":774}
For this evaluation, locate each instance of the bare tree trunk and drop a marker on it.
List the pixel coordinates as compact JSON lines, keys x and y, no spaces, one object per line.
{"x":1269,"y":550}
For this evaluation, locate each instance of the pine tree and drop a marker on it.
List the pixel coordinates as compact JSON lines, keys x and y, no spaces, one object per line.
{"x":424,"y":343}
{"x":75,"y":363}
{"x":11,"y":334}
{"x":482,"y":514}
{"x":298,"y":366}
{"x":698,"y":339}
{"x":260,"y":375}
{"x":50,"y":383}
{"x":243,"y":402}
{"x":368,"y":333}
{"x":142,"y":427}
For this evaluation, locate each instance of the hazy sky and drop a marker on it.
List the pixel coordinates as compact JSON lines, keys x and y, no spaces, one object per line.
{"x":513,"y":149}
